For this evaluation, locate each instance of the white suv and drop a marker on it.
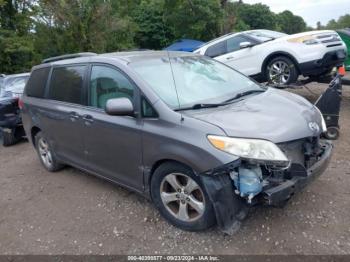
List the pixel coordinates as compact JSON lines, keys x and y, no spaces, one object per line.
{"x":277,"y":57}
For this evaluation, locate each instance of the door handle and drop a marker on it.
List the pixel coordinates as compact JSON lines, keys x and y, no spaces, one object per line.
{"x":73,"y":116}
{"x":229,"y":57}
{"x":88,"y":119}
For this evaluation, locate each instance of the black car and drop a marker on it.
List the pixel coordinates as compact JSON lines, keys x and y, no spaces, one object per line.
{"x":11,"y":88}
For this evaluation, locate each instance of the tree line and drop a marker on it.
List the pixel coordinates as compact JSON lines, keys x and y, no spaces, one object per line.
{"x":341,"y":23}
{"x":31,"y":30}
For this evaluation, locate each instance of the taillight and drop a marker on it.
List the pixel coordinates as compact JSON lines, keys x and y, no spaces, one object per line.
{"x":20,"y":103}
{"x":341,"y":70}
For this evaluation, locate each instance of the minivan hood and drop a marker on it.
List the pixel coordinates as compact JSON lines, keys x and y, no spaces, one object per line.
{"x":274,"y":115}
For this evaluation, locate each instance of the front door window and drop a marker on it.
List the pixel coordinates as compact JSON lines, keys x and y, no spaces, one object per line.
{"x":107,"y":83}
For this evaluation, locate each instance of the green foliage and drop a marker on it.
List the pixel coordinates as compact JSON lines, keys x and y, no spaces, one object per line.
{"x":342,"y":22}
{"x":77,"y":26}
{"x":17,"y":53}
{"x":290,"y":23}
{"x":162,"y":22}
{"x":152,"y":31}
{"x":198,"y":19}
{"x":257,"y":16}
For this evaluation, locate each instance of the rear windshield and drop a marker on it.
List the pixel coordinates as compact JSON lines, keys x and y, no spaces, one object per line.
{"x":12,"y":86}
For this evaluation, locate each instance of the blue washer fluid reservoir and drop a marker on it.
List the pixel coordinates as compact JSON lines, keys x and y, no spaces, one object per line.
{"x":248,"y":181}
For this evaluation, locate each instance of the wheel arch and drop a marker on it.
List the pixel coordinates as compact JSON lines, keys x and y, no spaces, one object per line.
{"x":276,"y":54}
{"x":160,"y":162}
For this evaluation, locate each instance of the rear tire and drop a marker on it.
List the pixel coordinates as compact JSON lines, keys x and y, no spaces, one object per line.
{"x":46,"y":155}
{"x":183,"y":201}
{"x":8,"y":138}
{"x":281,"y":70}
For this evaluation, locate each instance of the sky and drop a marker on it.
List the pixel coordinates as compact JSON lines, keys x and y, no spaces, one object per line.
{"x":311,"y":10}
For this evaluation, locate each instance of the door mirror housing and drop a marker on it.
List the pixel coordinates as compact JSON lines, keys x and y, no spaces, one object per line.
{"x":119,"y":107}
{"x":245,"y":45}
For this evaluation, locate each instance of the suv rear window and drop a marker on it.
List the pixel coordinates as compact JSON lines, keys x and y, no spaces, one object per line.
{"x":37,"y":82}
{"x":66,"y":84}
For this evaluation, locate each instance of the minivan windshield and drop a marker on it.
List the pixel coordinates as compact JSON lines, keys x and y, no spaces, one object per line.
{"x":185,"y":81}
{"x":265,"y":35}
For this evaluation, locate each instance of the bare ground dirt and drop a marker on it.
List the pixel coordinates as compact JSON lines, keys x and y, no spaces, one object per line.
{"x":71,"y":212}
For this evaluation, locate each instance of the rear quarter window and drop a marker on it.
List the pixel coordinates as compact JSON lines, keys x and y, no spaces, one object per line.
{"x":37,"y":81}
{"x":66,"y":84}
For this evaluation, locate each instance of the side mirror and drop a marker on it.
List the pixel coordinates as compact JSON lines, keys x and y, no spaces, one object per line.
{"x":119,"y":107}
{"x":245,"y":45}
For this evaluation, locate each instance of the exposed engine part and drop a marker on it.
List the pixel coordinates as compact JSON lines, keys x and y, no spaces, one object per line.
{"x":248,"y":182}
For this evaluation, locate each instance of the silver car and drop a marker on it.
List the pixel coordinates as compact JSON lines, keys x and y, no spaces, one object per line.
{"x":201,"y":140}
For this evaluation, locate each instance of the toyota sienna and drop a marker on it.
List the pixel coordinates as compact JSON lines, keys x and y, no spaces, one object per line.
{"x":199,"y":139}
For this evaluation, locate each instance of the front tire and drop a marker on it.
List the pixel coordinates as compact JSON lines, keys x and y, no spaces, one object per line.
{"x":281,"y":70}
{"x":46,"y":155}
{"x":181,"y":198}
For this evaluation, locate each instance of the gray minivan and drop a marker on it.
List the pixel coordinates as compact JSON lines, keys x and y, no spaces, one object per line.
{"x":201,"y":140}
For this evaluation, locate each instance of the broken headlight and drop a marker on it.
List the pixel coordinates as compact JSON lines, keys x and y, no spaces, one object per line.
{"x":323,"y":122}
{"x":250,"y":149}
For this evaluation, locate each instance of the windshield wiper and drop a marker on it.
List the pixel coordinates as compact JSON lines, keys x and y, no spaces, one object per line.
{"x":245,"y":93}
{"x":200,"y":106}
{"x":226,"y":102}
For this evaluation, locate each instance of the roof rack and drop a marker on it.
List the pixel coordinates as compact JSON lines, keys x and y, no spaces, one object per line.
{"x":68,"y":56}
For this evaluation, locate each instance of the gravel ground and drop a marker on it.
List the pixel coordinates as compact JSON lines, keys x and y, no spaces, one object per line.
{"x":71,"y":212}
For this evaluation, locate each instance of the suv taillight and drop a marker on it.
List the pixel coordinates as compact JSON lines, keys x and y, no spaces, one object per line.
{"x":20,"y":103}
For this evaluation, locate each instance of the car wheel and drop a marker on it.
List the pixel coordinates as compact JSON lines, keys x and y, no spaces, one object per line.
{"x":281,"y":70}
{"x":46,"y":155}
{"x":181,"y":198}
{"x":8,"y":138}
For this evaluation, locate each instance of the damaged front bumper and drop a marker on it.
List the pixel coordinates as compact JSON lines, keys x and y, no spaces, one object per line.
{"x":297,"y":178}
{"x":280,"y":186}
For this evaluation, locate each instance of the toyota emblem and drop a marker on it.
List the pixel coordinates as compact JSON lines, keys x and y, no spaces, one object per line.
{"x":314,"y":127}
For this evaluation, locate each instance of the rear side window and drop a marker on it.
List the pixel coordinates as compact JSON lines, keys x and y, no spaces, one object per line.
{"x":37,"y":82}
{"x":216,"y":50}
{"x":66,"y":84}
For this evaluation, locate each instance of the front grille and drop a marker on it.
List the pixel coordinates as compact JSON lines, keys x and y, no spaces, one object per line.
{"x":334,"y":45}
{"x":329,"y":40}
{"x":324,"y":36}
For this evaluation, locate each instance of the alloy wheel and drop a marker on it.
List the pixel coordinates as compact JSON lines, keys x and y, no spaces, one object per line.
{"x":279,"y":72}
{"x":45,"y":153}
{"x":182,"y":197}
